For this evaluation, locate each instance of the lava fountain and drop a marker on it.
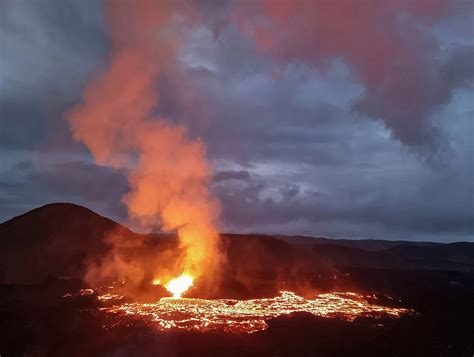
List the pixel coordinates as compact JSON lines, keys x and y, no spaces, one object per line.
{"x":179,"y":285}
{"x":169,"y":179}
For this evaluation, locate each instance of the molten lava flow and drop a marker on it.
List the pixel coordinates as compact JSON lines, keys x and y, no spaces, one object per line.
{"x":243,"y":316}
{"x":179,"y":285}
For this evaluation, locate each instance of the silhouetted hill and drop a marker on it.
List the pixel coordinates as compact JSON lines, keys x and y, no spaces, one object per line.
{"x":52,"y":240}
{"x":459,"y":254}
{"x":343,"y":256}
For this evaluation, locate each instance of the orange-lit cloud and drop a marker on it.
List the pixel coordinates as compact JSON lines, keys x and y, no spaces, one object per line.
{"x":386,"y":45}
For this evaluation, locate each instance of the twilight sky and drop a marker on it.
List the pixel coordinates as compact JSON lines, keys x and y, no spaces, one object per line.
{"x":351,"y":119}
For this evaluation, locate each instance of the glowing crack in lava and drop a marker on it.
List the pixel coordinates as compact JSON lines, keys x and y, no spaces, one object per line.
{"x":244,"y":316}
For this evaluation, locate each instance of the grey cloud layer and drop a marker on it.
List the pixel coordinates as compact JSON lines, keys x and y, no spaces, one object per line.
{"x":291,"y":154}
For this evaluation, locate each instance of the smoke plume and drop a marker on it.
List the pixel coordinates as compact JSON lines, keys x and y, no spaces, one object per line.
{"x":167,"y":172}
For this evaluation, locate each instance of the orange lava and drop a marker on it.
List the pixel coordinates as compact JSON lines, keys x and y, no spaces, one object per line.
{"x":244,"y":316}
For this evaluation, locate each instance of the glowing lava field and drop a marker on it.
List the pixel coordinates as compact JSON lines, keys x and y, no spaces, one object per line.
{"x":243,"y":316}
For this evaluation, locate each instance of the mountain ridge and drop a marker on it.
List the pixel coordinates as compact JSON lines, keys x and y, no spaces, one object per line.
{"x":59,"y":239}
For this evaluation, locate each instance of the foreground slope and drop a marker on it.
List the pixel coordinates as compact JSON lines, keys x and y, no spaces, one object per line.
{"x":58,"y":239}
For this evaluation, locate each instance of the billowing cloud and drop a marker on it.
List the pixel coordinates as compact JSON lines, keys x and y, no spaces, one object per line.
{"x":388,"y":47}
{"x":318,"y":117}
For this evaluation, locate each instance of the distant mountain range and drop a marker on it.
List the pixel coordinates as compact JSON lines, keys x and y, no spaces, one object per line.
{"x":370,"y":245}
{"x":58,"y":239}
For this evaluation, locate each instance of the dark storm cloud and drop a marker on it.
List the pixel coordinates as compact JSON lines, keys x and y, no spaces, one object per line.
{"x":389,"y":47}
{"x":361,"y":203}
{"x":231,"y":175}
{"x":48,"y":50}
{"x":406,"y":105}
{"x":458,"y":70}
{"x":33,"y":182}
{"x":304,"y":137}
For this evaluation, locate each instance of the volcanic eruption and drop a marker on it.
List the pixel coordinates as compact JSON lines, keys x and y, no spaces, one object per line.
{"x":291,"y":178}
{"x":167,"y":171}
{"x":168,"y":177}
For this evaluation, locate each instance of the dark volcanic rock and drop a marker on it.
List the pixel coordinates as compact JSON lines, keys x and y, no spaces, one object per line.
{"x":56,"y":240}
